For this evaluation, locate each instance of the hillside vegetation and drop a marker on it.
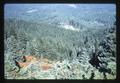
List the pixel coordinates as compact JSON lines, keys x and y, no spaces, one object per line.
{"x":58,"y":53}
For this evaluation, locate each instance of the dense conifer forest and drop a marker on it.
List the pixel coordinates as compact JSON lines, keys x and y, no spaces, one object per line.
{"x":60,"y":41}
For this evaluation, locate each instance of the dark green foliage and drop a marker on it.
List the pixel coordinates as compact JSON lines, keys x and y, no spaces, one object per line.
{"x":105,"y":52}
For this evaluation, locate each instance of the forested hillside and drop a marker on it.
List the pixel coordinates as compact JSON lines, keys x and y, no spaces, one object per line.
{"x":72,"y":48}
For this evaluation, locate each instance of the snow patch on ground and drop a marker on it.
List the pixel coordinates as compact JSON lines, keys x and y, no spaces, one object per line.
{"x":70,"y":27}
